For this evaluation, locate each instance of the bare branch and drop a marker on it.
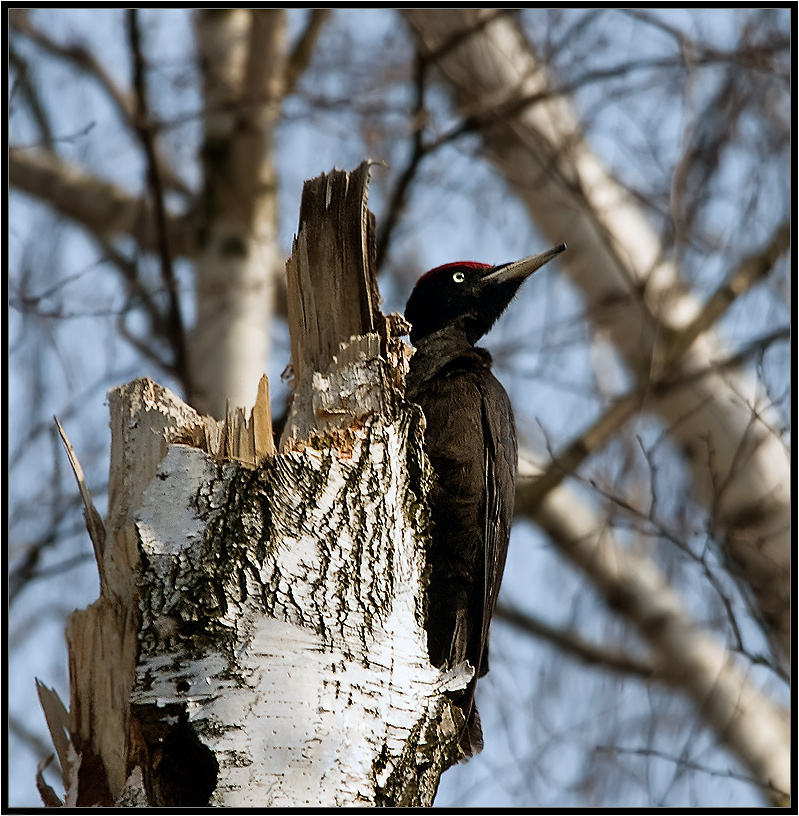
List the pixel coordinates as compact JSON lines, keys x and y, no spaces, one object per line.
{"x":459,"y":37}
{"x":399,"y":195}
{"x":751,"y":270}
{"x":24,"y":82}
{"x":662,"y":530}
{"x":139,"y":297}
{"x":98,"y":205}
{"x":77,"y":55}
{"x":301,"y":55}
{"x":781,"y":797}
{"x":709,"y":131}
{"x":748,"y":272}
{"x":29,"y":738}
{"x":576,"y":646}
{"x":753,"y":57}
{"x":596,"y":436}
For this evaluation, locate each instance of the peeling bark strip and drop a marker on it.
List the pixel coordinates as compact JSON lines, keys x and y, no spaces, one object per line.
{"x":259,"y":639}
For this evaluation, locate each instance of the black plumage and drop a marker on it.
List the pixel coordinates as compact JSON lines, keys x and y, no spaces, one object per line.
{"x":470,"y":440}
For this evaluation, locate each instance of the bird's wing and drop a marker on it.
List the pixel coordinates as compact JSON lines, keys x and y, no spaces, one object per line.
{"x":499,"y":434}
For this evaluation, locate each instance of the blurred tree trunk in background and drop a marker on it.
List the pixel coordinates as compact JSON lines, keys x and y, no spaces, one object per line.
{"x":653,"y":401}
{"x":242,"y":57}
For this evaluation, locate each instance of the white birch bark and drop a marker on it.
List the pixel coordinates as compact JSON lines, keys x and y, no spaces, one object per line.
{"x":282,"y":619}
{"x":632,"y":293}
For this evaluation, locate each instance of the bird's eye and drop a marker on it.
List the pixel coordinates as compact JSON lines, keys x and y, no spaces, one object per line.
{"x":458,"y":277}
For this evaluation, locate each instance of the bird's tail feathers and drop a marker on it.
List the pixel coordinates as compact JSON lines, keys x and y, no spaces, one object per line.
{"x":472,"y":735}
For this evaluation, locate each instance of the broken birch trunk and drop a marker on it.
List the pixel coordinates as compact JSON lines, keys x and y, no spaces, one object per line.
{"x":259,"y":637}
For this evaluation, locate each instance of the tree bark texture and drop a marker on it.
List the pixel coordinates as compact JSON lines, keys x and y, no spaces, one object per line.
{"x":259,"y":639}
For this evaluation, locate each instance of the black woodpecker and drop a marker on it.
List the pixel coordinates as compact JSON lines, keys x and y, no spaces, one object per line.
{"x":471,"y":443}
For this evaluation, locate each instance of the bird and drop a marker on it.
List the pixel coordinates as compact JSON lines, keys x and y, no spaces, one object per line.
{"x":470,"y":440}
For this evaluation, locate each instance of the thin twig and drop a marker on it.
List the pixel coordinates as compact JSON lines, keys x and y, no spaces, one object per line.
{"x":695,"y":766}
{"x":177,"y":333}
{"x":419,"y":150}
{"x":27,"y":88}
{"x":749,"y":271}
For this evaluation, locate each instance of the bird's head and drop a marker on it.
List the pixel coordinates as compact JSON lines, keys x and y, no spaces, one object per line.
{"x":468,"y":295}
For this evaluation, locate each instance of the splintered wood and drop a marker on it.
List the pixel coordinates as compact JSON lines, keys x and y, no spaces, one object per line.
{"x":338,"y":333}
{"x":331,"y":289}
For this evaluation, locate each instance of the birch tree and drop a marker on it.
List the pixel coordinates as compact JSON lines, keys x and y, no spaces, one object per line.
{"x":259,"y":636}
{"x":650,"y":567}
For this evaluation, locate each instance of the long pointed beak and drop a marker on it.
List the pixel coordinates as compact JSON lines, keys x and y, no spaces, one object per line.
{"x":519,"y":270}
